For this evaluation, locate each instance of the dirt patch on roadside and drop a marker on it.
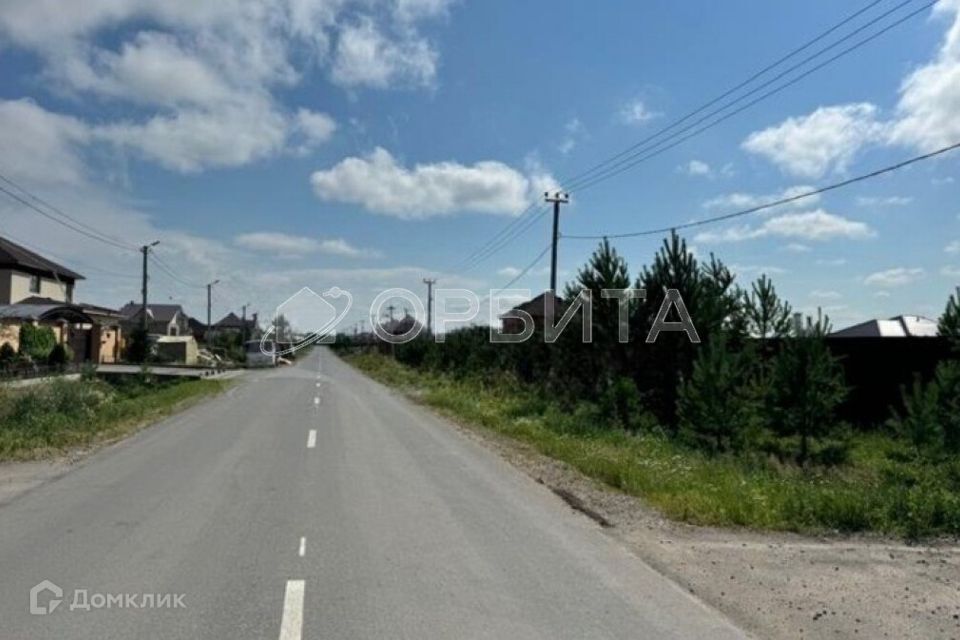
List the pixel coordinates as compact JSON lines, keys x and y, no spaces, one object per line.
{"x":773,"y":584}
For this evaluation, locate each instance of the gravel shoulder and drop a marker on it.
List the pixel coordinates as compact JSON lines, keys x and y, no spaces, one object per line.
{"x":775,"y":585}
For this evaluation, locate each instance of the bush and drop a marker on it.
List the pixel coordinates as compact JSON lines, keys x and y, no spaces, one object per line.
{"x":36,"y":342}
{"x":138,"y":347}
{"x":806,"y":386}
{"x":719,"y":407}
{"x":931,"y":417}
{"x":622,"y":405}
{"x":7,"y":354}
{"x":60,"y":355}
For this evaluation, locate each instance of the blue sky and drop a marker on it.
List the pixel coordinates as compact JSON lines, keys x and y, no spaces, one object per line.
{"x":365,"y":144}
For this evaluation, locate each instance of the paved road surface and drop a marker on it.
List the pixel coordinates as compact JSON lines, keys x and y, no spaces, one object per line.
{"x":310,"y":502}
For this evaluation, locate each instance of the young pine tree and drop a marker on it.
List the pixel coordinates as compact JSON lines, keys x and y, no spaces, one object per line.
{"x":805,"y":389}
{"x":766,"y":314}
{"x":719,"y":406}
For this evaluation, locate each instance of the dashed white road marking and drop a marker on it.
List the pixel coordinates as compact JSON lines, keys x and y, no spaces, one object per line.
{"x":316,"y":400}
{"x":303,"y":547}
{"x":312,"y":439}
{"x":291,"y":626}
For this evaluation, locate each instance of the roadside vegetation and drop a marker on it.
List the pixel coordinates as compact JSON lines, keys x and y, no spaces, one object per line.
{"x":742,"y":429}
{"x":53,"y":417}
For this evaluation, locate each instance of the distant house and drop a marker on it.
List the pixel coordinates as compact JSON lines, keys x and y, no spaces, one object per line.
{"x":162,"y":319}
{"x":547,"y":303}
{"x":232,"y":323}
{"x":401,"y":326}
{"x":897,"y":327}
{"x":24,"y":274}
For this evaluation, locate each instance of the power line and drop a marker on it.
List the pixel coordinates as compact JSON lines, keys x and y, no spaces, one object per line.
{"x":677,"y":137}
{"x":776,"y":203}
{"x":482,"y":248}
{"x":83,"y":265}
{"x":170,"y":272}
{"x":79,"y":230}
{"x":628,"y":158}
{"x":522,"y":273}
{"x":528,"y":224}
{"x":723,"y":95}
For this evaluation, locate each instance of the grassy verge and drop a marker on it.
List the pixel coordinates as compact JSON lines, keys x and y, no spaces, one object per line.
{"x":883,"y":488}
{"x":53,"y":417}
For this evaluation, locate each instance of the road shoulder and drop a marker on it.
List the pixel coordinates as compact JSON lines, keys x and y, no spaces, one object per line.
{"x":772,"y":584}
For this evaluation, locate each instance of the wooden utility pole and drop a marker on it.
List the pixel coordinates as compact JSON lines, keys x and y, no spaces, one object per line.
{"x":145,"y":249}
{"x":430,"y":282}
{"x":556,"y":199}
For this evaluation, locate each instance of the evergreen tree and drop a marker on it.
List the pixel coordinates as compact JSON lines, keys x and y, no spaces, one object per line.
{"x":950,"y":321}
{"x":711,"y":298}
{"x":766,"y":314}
{"x":806,"y":387}
{"x":606,"y":269}
{"x":719,"y":407}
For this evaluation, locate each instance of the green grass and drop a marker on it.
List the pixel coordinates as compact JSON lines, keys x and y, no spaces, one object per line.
{"x":884,"y":488}
{"x":53,"y":417}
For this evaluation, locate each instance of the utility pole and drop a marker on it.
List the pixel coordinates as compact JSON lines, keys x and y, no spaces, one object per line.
{"x":390,"y":309}
{"x":145,"y":249}
{"x":557,"y":199}
{"x":243,"y":324}
{"x":430,"y":282}
{"x":209,"y":296}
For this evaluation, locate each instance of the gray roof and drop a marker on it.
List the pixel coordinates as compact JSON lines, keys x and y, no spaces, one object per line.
{"x":53,"y":311}
{"x":897,"y":327}
{"x":13,"y":255}
{"x":156,"y":312}
{"x":537,"y":307}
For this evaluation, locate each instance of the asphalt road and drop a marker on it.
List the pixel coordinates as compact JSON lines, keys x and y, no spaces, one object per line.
{"x":310,"y":502}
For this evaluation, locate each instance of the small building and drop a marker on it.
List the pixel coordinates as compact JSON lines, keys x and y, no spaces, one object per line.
{"x":178,"y":349}
{"x":25,"y":274}
{"x":898,"y":327}
{"x":69,"y":324}
{"x":545,"y":304}
{"x":104,"y":341}
{"x":162,"y":319}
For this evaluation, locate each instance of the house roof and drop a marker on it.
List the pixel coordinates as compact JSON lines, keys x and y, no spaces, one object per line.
{"x":37,"y":312}
{"x":13,"y":255}
{"x":400,"y":326}
{"x":231,"y":321}
{"x":537,"y":307}
{"x":897,"y":327}
{"x":157,"y":312}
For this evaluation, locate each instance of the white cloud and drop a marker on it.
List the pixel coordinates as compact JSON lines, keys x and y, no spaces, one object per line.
{"x":811,"y":225}
{"x":796,"y":247}
{"x":509,"y":272}
{"x":896,"y":277}
{"x":950,"y":271}
{"x":40,"y":145}
{"x":696,"y":168}
{"x":826,"y":140}
{"x":749,"y":269}
{"x":741,"y":200}
{"x":290,"y":245}
{"x":636,"y":112}
{"x":888,"y":201}
{"x":191,"y":140}
{"x":382,"y":185}
{"x":194,"y":84}
{"x":830,"y":138}
{"x":365,"y":56}
{"x":822,"y":294}
{"x":316,"y":127}
{"x":953,"y":247}
{"x":930,"y":95}
{"x":831,"y":262}
{"x":573,"y":131}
